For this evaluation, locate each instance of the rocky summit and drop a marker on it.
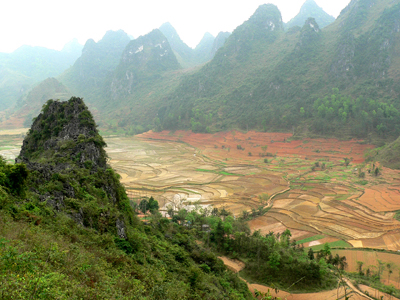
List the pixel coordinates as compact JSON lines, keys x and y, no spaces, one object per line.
{"x":66,"y":158}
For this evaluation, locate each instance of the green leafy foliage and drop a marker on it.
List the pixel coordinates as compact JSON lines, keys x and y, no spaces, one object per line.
{"x":12,"y":178}
{"x":74,"y":235}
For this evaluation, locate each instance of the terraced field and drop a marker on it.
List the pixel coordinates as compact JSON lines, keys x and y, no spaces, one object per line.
{"x":178,"y":174}
{"x":306,"y":183}
{"x":309,"y":188}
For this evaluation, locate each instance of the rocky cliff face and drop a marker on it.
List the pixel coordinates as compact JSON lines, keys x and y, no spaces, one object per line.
{"x":68,"y":167}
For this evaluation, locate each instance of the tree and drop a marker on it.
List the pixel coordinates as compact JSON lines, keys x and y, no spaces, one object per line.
{"x":16,"y":177}
{"x":376,"y":171}
{"x":182,"y":213}
{"x":153,"y":205}
{"x":346,"y":161}
{"x":381,"y":267}
{"x":274,"y":260}
{"x":219,"y":234}
{"x":311,"y":254}
{"x":327,"y":250}
{"x":214,"y":211}
{"x":389,"y":267}
{"x":264,"y":148}
{"x":359,"y":267}
{"x":144,"y":206}
{"x":224,"y":213}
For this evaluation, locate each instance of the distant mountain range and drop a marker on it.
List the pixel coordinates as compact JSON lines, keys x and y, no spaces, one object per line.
{"x":341,"y":79}
{"x":27,"y":65}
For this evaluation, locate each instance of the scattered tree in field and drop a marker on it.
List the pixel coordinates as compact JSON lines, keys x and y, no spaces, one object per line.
{"x":389,"y":267}
{"x":311,"y":254}
{"x":359,"y":267}
{"x":346,"y":161}
{"x":377,"y":172}
{"x":264,"y":149}
{"x":381,"y":267}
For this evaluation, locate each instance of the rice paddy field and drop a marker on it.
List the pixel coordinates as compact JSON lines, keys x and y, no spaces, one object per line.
{"x":306,"y":184}
{"x":309,"y":188}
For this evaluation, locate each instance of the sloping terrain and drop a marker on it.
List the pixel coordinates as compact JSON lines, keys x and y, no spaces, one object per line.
{"x":68,"y":230}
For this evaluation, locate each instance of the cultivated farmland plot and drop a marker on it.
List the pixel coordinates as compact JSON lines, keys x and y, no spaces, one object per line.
{"x":324,"y":203}
{"x":310,"y":189}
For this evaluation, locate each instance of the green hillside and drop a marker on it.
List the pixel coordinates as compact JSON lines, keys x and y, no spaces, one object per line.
{"x":148,"y":69}
{"x":264,"y":78}
{"x":91,"y":74}
{"x":68,"y":230}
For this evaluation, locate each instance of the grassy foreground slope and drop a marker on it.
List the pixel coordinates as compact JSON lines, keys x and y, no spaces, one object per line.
{"x":68,"y":231}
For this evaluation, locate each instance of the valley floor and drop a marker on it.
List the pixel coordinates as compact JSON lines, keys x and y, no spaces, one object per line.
{"x":306,"y":183}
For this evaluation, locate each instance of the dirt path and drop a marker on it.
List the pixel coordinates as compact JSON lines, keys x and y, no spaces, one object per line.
{"x":356,"y":290}
{"x":236,"y":266}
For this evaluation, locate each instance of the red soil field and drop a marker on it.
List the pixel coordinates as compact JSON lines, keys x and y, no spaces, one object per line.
{"x":381,"y":198}
{"x":276,"y":143}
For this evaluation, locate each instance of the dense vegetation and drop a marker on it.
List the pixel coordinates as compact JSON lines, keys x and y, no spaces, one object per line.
{"x":274,"y":259}
{"x":362,"y":116}
{"x":68,"y":230}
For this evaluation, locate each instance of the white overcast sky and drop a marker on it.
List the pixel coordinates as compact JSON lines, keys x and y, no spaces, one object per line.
{"x":52,"y":23}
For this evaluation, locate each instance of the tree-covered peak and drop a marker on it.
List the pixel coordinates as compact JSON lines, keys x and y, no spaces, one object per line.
{"x":64,"y":132}
{"x":267,"y":16}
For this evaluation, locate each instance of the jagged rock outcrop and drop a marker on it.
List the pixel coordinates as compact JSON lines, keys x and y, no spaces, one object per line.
{"x":68,"y":167}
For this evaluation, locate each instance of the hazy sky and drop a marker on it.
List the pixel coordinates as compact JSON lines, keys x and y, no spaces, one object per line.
{"x":52,"y":23}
